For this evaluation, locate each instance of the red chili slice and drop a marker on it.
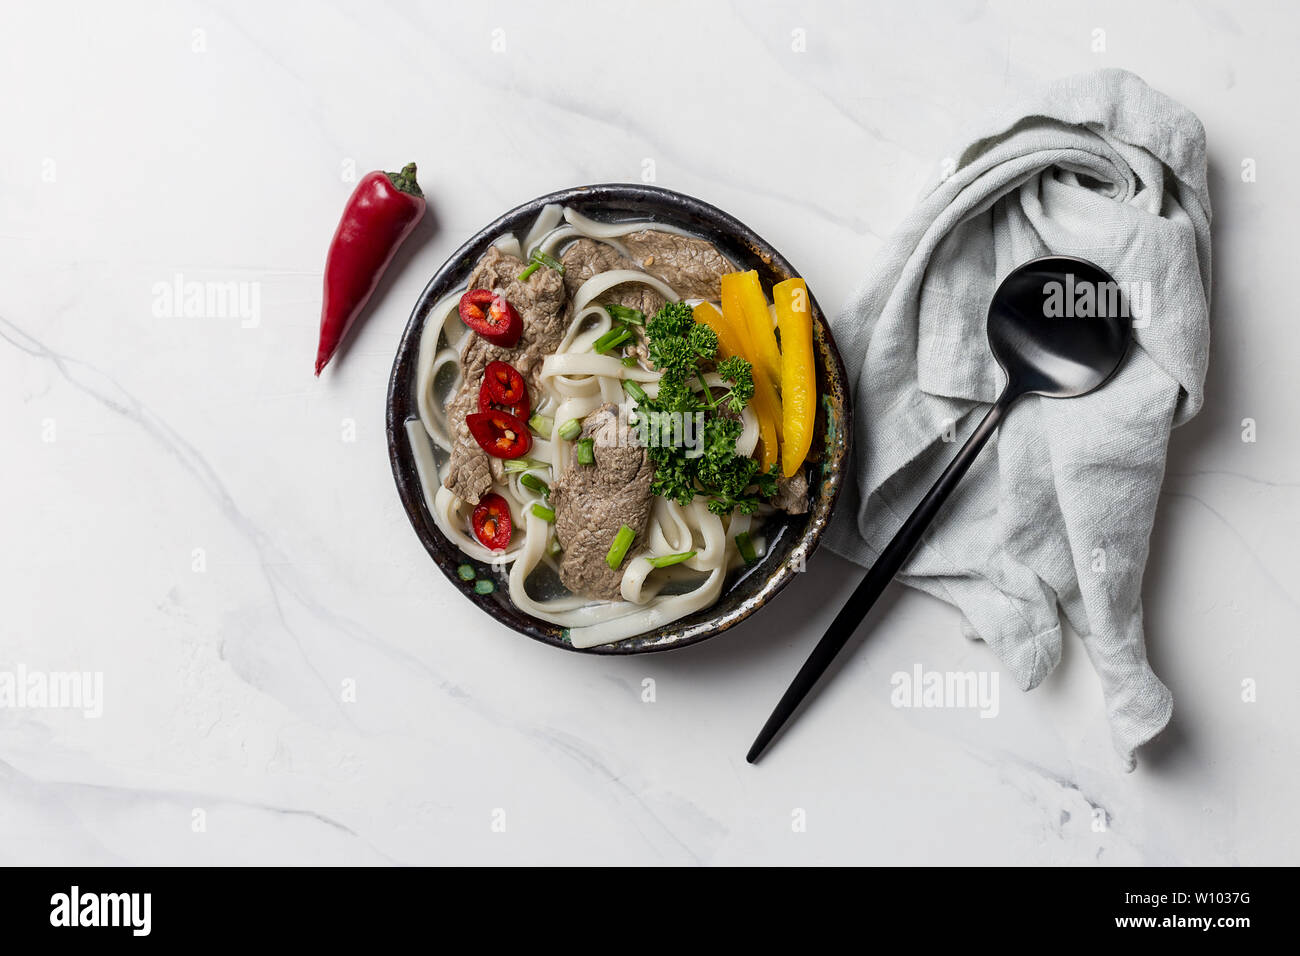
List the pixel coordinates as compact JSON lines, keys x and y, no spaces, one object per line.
{"x":491,"y":521}
{"x":500,"y":434}
{"x":503,"y":388}
{"x":506,"y":385}
{"x":486,"y":403}
{"x":491,"y":316}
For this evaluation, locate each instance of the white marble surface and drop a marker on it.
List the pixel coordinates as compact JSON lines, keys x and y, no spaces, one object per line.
{"x":133,"y":439}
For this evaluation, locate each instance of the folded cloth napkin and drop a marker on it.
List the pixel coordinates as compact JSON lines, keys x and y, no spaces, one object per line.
{"x":1059,"y":507}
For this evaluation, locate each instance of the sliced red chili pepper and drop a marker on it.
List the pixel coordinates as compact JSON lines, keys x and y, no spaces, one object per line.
{"x":486,"y":403}
{"x":492,"y":317}
{"x":491,"y":522}
{"x":506,"y":385}
{"x":503,"y":388}
{"x":500,"y":434}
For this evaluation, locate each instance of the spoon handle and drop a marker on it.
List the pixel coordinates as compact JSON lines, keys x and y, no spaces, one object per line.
{"x":882,"y":572}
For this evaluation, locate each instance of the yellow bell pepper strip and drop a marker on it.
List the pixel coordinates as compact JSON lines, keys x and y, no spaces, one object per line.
{"x":734,"y":312}
{"x":758,"y":320}
{"x":729,"y":344}
{"x":798,"y":373}
{"x":766,"y":396}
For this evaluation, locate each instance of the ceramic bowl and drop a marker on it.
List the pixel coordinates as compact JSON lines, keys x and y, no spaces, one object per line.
{"x":791,"y":539}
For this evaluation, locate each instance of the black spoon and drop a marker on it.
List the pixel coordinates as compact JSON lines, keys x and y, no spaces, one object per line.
{"x":1059,"y":327}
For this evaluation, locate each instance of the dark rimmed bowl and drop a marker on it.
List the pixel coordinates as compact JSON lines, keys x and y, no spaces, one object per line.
{"x":791,"y":539}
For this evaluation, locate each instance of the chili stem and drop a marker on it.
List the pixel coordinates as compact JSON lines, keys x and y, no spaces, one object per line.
{"x":405,"y":181}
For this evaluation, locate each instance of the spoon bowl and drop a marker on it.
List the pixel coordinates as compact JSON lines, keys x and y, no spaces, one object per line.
{"x":1059,"y":327}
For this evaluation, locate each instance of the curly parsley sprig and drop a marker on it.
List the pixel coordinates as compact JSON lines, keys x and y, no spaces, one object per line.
{"x":679,"y":347}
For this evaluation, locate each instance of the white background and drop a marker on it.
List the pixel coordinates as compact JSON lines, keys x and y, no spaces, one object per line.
{"x":133,"y":148}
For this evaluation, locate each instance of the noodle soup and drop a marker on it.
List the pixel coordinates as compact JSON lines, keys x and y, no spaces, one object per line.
{"x":605,"y":415}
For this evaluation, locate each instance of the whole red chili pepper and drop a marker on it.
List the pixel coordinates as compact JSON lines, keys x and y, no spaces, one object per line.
{"x":381,"y":212}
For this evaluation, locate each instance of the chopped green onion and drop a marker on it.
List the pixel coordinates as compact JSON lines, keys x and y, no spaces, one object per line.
{"x":466,"y":572}
{"x":545,"y":259}
{"x":533,"y":483}
{"x":615,"y":336}
{"x":539,"y":259}
{"x":515,"y":465}
{"x":635,"y":390}
{"x":618,"y":550}
{"x":587,"y":451}
{"x":543,"y":512}
{"x":623,"y":313}
{"x":554,"y":547}
{"x":541,"y":424}
{"x":667,"y":560}
{"x":571,"y":429}
{"x":746,"y":547}
{"x":629,"y":361}
{"x":484,"y":586}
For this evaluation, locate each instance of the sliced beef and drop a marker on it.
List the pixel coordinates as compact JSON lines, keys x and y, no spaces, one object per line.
{"x":471,"y":471}
{"x":584,"y":258}
{"x":693,"y":267}
{"x":587,"y":257}
{"x":543,"y":305}
{"x":496,"y":270}
{"x":792,"y":494}
{"x":592,"y":502}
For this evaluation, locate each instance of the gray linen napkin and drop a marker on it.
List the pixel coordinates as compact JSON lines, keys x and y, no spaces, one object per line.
{"x":1059,"y":507}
